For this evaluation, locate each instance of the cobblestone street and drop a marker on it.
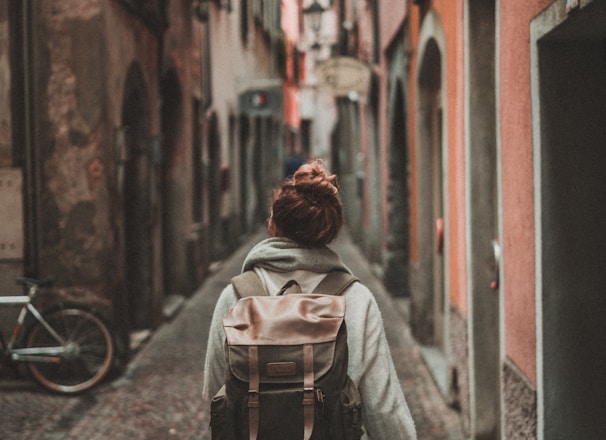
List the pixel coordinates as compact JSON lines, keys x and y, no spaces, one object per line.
{"x":159,"y":394}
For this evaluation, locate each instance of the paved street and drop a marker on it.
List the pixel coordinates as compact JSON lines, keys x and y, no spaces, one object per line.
{"x":159,"y":395}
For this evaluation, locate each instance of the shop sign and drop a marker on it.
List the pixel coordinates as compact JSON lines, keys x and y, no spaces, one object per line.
{"x":343,"y":75}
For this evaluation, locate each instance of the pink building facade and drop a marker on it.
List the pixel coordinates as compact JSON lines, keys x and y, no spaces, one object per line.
{"x":478,"y":142}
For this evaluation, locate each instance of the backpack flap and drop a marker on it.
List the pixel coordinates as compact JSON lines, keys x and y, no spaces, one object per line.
{"x":284,"y":320}
{"x":280,"y":327}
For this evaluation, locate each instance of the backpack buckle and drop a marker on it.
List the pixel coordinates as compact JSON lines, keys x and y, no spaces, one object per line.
{"x":253,"y":399}
{"x":308,"y":396}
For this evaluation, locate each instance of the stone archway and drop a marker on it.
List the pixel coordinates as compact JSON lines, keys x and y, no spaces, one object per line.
{"x":429,"y":304}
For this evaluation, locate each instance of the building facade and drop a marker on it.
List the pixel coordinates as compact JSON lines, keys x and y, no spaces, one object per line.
{"x":128,"y":164}
{"x":478,"y":147}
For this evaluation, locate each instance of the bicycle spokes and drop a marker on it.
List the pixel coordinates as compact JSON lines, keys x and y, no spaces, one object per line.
{"x":85,"y":355}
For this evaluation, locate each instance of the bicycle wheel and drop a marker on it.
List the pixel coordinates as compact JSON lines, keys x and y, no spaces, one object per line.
{"x":86,"y":350}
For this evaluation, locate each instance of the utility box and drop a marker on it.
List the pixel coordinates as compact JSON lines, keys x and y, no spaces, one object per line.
{"x":11,"y":239}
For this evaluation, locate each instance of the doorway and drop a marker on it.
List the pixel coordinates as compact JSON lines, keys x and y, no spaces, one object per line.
{"x":398,"y":245}
{"x":137,"y":202}
{"x":173,"y":188}
{"x":429,"y":305}
{"x":571,"y":207}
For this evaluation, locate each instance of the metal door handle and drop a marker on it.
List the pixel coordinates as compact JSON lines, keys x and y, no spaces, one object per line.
{"x":496,"y":249}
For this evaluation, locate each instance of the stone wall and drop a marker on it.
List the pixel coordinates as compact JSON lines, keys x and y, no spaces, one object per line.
{"x":520,"y":401}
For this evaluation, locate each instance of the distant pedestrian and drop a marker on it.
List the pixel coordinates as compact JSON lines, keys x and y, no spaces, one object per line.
{"x":292,"y":164}
{"x":306,"y":215}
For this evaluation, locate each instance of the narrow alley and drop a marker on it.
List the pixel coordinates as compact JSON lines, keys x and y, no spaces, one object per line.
{"x":140,"y":141}
{"x":159,"y":394}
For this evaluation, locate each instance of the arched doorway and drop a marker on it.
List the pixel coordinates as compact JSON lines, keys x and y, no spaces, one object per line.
{"x":430,"y":321}
{"x":137,"y":202}
{"x":429,"y":302}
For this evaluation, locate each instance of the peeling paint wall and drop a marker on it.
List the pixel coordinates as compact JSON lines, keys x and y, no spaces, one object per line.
{"x":82,"y":52}
{"x":76,"y":230}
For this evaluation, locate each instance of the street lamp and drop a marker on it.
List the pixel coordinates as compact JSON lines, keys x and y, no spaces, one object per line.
{"x":314,"y":12}
{"x":200,"y":10}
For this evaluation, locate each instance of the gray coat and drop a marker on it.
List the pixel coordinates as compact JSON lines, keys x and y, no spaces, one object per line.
{"x":385,"y":411}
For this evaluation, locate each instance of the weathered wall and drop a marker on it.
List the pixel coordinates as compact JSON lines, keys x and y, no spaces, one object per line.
{"x":177,"y":164}
{"x":82,"y":53}
{"x":71,"y":139}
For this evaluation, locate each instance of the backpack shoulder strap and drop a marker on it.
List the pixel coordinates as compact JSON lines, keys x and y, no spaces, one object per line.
{"x":335,"y":283}
{"x":248,"y":284}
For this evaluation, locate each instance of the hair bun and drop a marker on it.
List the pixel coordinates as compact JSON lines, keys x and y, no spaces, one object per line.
{"x":313,"y":181}
{"x":306,"y":207}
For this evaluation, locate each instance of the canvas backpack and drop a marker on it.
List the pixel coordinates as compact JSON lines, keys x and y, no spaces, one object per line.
{"x":286,"y":355}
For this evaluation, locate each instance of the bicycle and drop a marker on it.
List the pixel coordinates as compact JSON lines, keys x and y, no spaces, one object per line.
{"x":68,"y":348}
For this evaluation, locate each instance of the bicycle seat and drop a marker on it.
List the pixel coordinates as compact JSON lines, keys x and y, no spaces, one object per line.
{"x":27,"y":281}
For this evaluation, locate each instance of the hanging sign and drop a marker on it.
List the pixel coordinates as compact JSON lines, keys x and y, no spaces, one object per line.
{"x":261,"y":102}
{"x":343,"y":75}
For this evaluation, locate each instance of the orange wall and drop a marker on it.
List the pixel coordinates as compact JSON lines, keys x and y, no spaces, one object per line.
{"x":451,"y":17}
{"x":515,"y":128}
{"x":517,"y":185}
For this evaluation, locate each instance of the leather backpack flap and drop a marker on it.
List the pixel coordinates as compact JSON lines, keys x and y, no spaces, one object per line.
{"x":284,"y":320}
{"x":279,"y":327}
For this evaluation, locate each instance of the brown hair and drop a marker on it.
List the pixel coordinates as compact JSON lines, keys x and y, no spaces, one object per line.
{"x":306,"y":208}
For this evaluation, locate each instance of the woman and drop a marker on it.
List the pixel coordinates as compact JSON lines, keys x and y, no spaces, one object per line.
{"x":306,"y":215}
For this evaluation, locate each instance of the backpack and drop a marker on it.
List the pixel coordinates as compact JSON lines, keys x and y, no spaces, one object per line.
{"x":286,"y":375}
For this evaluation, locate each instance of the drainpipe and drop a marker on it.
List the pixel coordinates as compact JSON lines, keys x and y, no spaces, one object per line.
{"x":31,"y":181}
{"x":376,"y":24}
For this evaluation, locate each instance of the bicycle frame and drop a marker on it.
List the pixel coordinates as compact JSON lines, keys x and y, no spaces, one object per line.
{"x":34,"y":354}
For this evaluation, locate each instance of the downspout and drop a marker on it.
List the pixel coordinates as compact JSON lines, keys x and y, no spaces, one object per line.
{"x":31,"y":169}
{"x":376,"y":54}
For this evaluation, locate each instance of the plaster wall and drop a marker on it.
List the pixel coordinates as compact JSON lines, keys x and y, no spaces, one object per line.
{"x":72,"y":137}
{"x":515,"y":127}
{"x":82,"y":54}
{"x":392,"y":13}
{"x":237,"y":65}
